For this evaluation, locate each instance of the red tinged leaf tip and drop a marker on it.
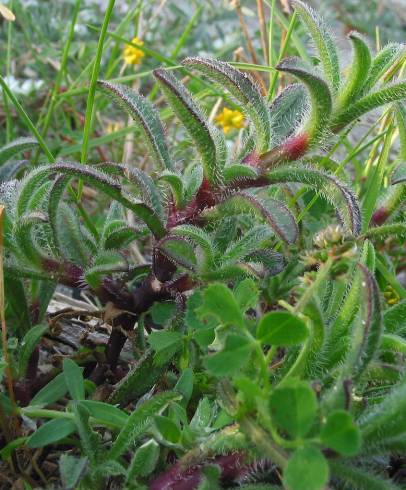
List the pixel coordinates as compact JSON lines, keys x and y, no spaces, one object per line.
{"x":380,"y":216}
{"x":292,"y":149}
{"x":252,"y":159}
{"x":295,"y":147}
{"x":205,"y":198}
{"x":67,"y":273}
{"x":181,"y":478}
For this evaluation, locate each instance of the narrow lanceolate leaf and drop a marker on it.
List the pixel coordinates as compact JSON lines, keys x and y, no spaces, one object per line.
{"x":90,"y":440}
{"x":273,"y":262}
{"x":22,"y":235}
{"x":149,"y":191}
{"x":348,"y":307}
{"x":199,"y":237}
{"x":367,"y":332}
{"x":393,"y":342}
{"x":324,"y":43}
{"x":395,"y":229}
{"x":386,"y":57}
{"x":320,"y":97}
{"x":121,"y":237}
{"x":15,"y":147}
{"x":243,"y":89}
{"x":27,"y":346}
{"x":139,"y":421}
{"x":146,"y":186}
{"x":209,"y":142}
{"x":179,"y":251}
{"x":399,"y":174}
{"x":386,"y":418}
{"x":28,"y":186}
{"x":145,"y":117}
{"x":238,"y":172}
{"x":176,"y":184}
{"x":275,"y":213}
{"x":246,"y":245}
{"x":365,"y":337}
{"x":141,"y":377}
{"x":362,"y":479}
{"x":112,"y":188}
{"x":50,"y":432}
{"x":401,"y":125}
{"x":55,"y":196}
{"x":288,"y":111}
{"x":105,"y":263}
{"x":387,"y":94}
{"x":359,"y":70}
{"x":193,"y":178}
{"x":329,"y":187}
{"x":10,"y":169}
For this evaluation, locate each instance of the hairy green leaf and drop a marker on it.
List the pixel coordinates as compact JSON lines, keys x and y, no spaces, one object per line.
{"x":341,"y":434}
{"x":208,"y":140}
{"x":359,"y":70}
{"x":320,"y":97}
{"x":384,"y":60}
{"x":329,"y":187}
{"x":144,"y":460}
{"x":389,"y":93}
{"x":307,"y":469}
{"x":276,"y":214}
{"x":231,"y":359}
{"x":27,"y":346}
{"x":145,"y":117}
{"x":243,"y":89}
{"x":355,"y":477}
{"x":15,"y":147}
{"x":139,"y":421}
{"x":50,"y":432}
{"x":138,"y":380}
{"x":288,"y":111}
{"x":293,"y":407}
{"x":238,"y":171}
{"x":401,"y":124}
{"x":200,"y":238}
{"x":324,"y":42}
{"x":281,"y":328}
{"x":74,"y":379}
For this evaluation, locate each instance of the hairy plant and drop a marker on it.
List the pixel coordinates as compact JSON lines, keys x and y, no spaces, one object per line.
{"x":295,"y":344}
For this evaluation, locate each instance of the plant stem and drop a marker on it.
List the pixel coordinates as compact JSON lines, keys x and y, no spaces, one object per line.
{"x":282,"y":52}
{"x":300,"y":361}
{"x":9,"y":378}
{"x":321,"y":276}
{"x":44,"y":413}
{"x":58,"y":80}
{"x":374,"y":181}
{"x":93,"y":81}
{"x":9,"y":127}
{"x":24,"y":116}
{"x":262,"y":441}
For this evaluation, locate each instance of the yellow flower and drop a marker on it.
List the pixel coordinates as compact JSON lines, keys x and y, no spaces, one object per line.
{"x":133,"y":55}
{"x":229,"y":119}
{"x":391,"y":296}
{"x":113,"y":127}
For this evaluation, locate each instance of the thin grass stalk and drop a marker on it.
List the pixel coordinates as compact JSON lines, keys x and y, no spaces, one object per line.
{"x":262,"y":28}
{"x":282,"y":52}
{"x":9,"y":125}
{"x":6,"y":357}
{"x":58,"y":80}
{"x":93,"y":81}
